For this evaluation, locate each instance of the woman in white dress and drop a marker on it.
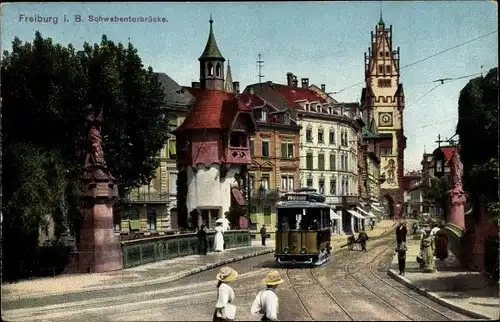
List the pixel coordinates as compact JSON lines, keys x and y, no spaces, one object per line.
{"x":225,"y":310}
{"x":219,"y":238}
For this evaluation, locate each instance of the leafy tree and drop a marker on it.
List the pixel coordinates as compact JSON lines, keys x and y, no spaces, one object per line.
{"x":45,"y":88}
{"x":478,"y":130}
{"x":436,"y":192}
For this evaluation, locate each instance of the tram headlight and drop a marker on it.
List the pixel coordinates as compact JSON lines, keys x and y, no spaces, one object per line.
{"x":286,"y":250}
{"x":303,"y":250}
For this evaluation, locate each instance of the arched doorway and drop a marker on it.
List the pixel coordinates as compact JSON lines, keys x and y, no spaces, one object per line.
{"x":390,"y":205}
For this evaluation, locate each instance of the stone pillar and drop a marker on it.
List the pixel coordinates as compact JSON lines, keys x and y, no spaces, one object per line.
{"x":99,"y":249}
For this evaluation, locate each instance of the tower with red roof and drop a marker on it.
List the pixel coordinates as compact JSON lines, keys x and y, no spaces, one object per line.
{"x":213,"y":143}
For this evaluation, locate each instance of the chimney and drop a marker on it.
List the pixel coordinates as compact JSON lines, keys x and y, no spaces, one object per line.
{"x":195,"y":84}
{"x":251,"y":91}
{"x":294,"y":81}
{"x":323,"y":87}
{"x":289,"y":78}
{"x":305,"y":82}
{"x":236,"y":88}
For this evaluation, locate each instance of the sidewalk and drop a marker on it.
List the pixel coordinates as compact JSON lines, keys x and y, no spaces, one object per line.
{"x":149,"y":274}
{"x":452,"y":286}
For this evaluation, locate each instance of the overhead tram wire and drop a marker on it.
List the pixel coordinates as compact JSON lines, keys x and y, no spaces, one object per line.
{"x":426,"y":58}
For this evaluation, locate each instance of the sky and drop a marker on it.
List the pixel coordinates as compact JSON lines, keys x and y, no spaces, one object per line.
{"x":323,"y":41}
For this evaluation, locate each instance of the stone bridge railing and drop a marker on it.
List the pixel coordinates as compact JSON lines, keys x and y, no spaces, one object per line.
{"x":147,"y":250}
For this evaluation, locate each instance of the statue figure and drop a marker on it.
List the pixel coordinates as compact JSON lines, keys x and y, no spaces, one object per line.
{"x":457,"y":172}
{"x":93,"y":124}
{"x":427,"y":250}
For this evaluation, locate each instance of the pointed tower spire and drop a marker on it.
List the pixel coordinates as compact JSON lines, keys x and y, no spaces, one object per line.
{"x":381,"y":21}
{"x":228,"y":85}
{"x":211,"y":50}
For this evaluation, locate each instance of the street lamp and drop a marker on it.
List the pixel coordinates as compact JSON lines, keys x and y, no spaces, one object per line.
{"x":439,"y":163}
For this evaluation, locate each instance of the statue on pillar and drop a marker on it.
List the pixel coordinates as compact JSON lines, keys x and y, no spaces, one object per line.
{"x":93,"y":123}
{"x":456,"y":171}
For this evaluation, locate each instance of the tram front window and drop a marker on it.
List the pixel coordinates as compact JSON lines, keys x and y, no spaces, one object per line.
{"x":298,"y":219}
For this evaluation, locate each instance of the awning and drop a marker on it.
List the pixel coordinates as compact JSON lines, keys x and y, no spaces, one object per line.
{"x":364,"y":212}
{"x":356,"y":214}
{"x":377,"y":209}
{"x":334,"y":215}
{"x":238,"y":196}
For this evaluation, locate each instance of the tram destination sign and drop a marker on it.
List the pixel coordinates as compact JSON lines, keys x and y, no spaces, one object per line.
{"x":297,"y":197}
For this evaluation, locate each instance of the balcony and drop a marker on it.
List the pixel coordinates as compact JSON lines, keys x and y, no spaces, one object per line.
{"x":148,"y":198}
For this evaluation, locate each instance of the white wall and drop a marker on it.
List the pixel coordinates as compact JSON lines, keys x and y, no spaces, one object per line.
{"x":205,"y":189}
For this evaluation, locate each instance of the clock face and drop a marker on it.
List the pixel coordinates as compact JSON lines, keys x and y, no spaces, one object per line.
{"x":385,"y":119}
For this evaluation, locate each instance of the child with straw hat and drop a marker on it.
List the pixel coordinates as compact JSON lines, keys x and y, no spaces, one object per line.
{"x":224,"y":309}
{"x":266,"y":302}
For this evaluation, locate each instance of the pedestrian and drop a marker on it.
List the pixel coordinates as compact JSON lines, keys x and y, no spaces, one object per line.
{"x":266,"y":301}
{"x":224,"y":309}
{"x":202,"y":240}
{"x":362,"y":238}
{"x":219,"y":238}
{"x":441,"y":242}
{"x":263,"y":234}
{"x":372,"y":223}
{"x":401,"y":233}
{"x":401,"y":250}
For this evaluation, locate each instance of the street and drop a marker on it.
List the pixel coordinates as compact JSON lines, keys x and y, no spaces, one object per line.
{"x":351,"y":286}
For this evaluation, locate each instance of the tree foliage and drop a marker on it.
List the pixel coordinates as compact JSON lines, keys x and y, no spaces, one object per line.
{"x":478,"y":130}
{"x":45,"y":88}
{"x":436,"y":192}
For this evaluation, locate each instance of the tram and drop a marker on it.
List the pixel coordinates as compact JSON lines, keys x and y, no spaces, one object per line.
{"x":303,"y":228}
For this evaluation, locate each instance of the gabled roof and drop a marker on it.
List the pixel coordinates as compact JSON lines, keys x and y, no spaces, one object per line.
{"x":255,"y":101}
{"x":175,"y":95}
{"x":211,"y":49}
{"x":294,"y":94}
{"x":214,"y":109}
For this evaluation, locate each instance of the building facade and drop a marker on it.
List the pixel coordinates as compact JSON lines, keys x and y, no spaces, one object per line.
{"x":328,"y":142}
{"x":383,"y":103}
{"x":275,"y":158}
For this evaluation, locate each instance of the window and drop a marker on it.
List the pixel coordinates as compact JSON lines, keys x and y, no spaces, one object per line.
{"x":384,"y":83}
{"x":381,"y":54}
{"x":321,"y":161}
{"x":265,"y":147}
{"x":387,"y":54}
{"x":343,"y":138}
{"x":309,"y":137}
{"x":320,"y":136}
{"x":172,"y":149}
{"x":347,"y":162}
{"x":388,"y":69}
{"x":267,"y":215}
{"x":380,"y":69}
{"x":218,"y":70}
{"x":173,"y":183}
{"x":333,"y":187}
{"x":309,"y":182}
{"x":333,"y":161}
{"x":263,"y":115}
{"x":309,"y":161}
{"x":287,"y":150}
{"x":332,"y":137}
{"x":321,"y":186}
{"x":237,"y":140}
{"x":210,"y":69}
{"x":151,"y":219}
{"x":265,"y":181}
{"x":346,"y":185}
{"x":287,"y":182}
{"x":252,"y":147}
{"x":286,"y":118}
{"x":385,"y":151}
{"x":307,"y":107}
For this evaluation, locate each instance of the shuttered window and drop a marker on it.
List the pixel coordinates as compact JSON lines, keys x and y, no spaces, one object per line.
{"x":309,"y":161}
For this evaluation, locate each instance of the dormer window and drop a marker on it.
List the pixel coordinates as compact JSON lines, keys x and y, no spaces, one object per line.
{"x":307,"y":107}
{"x":238,"y":140}
{"x":286,"y":118}
{"x":263,"y":115}
{"x":318,"y":108}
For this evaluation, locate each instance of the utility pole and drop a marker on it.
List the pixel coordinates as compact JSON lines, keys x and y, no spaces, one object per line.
{"x":260,"y":65}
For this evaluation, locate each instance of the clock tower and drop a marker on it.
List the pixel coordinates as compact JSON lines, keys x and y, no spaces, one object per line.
{"x":382,"y":104}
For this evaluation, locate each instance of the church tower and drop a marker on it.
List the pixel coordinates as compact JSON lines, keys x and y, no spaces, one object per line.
{"x":212,"y":63}
{"x":383,"y":105}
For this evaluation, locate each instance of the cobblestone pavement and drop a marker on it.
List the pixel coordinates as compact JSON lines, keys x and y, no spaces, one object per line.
{"x":353,"y":285}
{"x":451,"y":284}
